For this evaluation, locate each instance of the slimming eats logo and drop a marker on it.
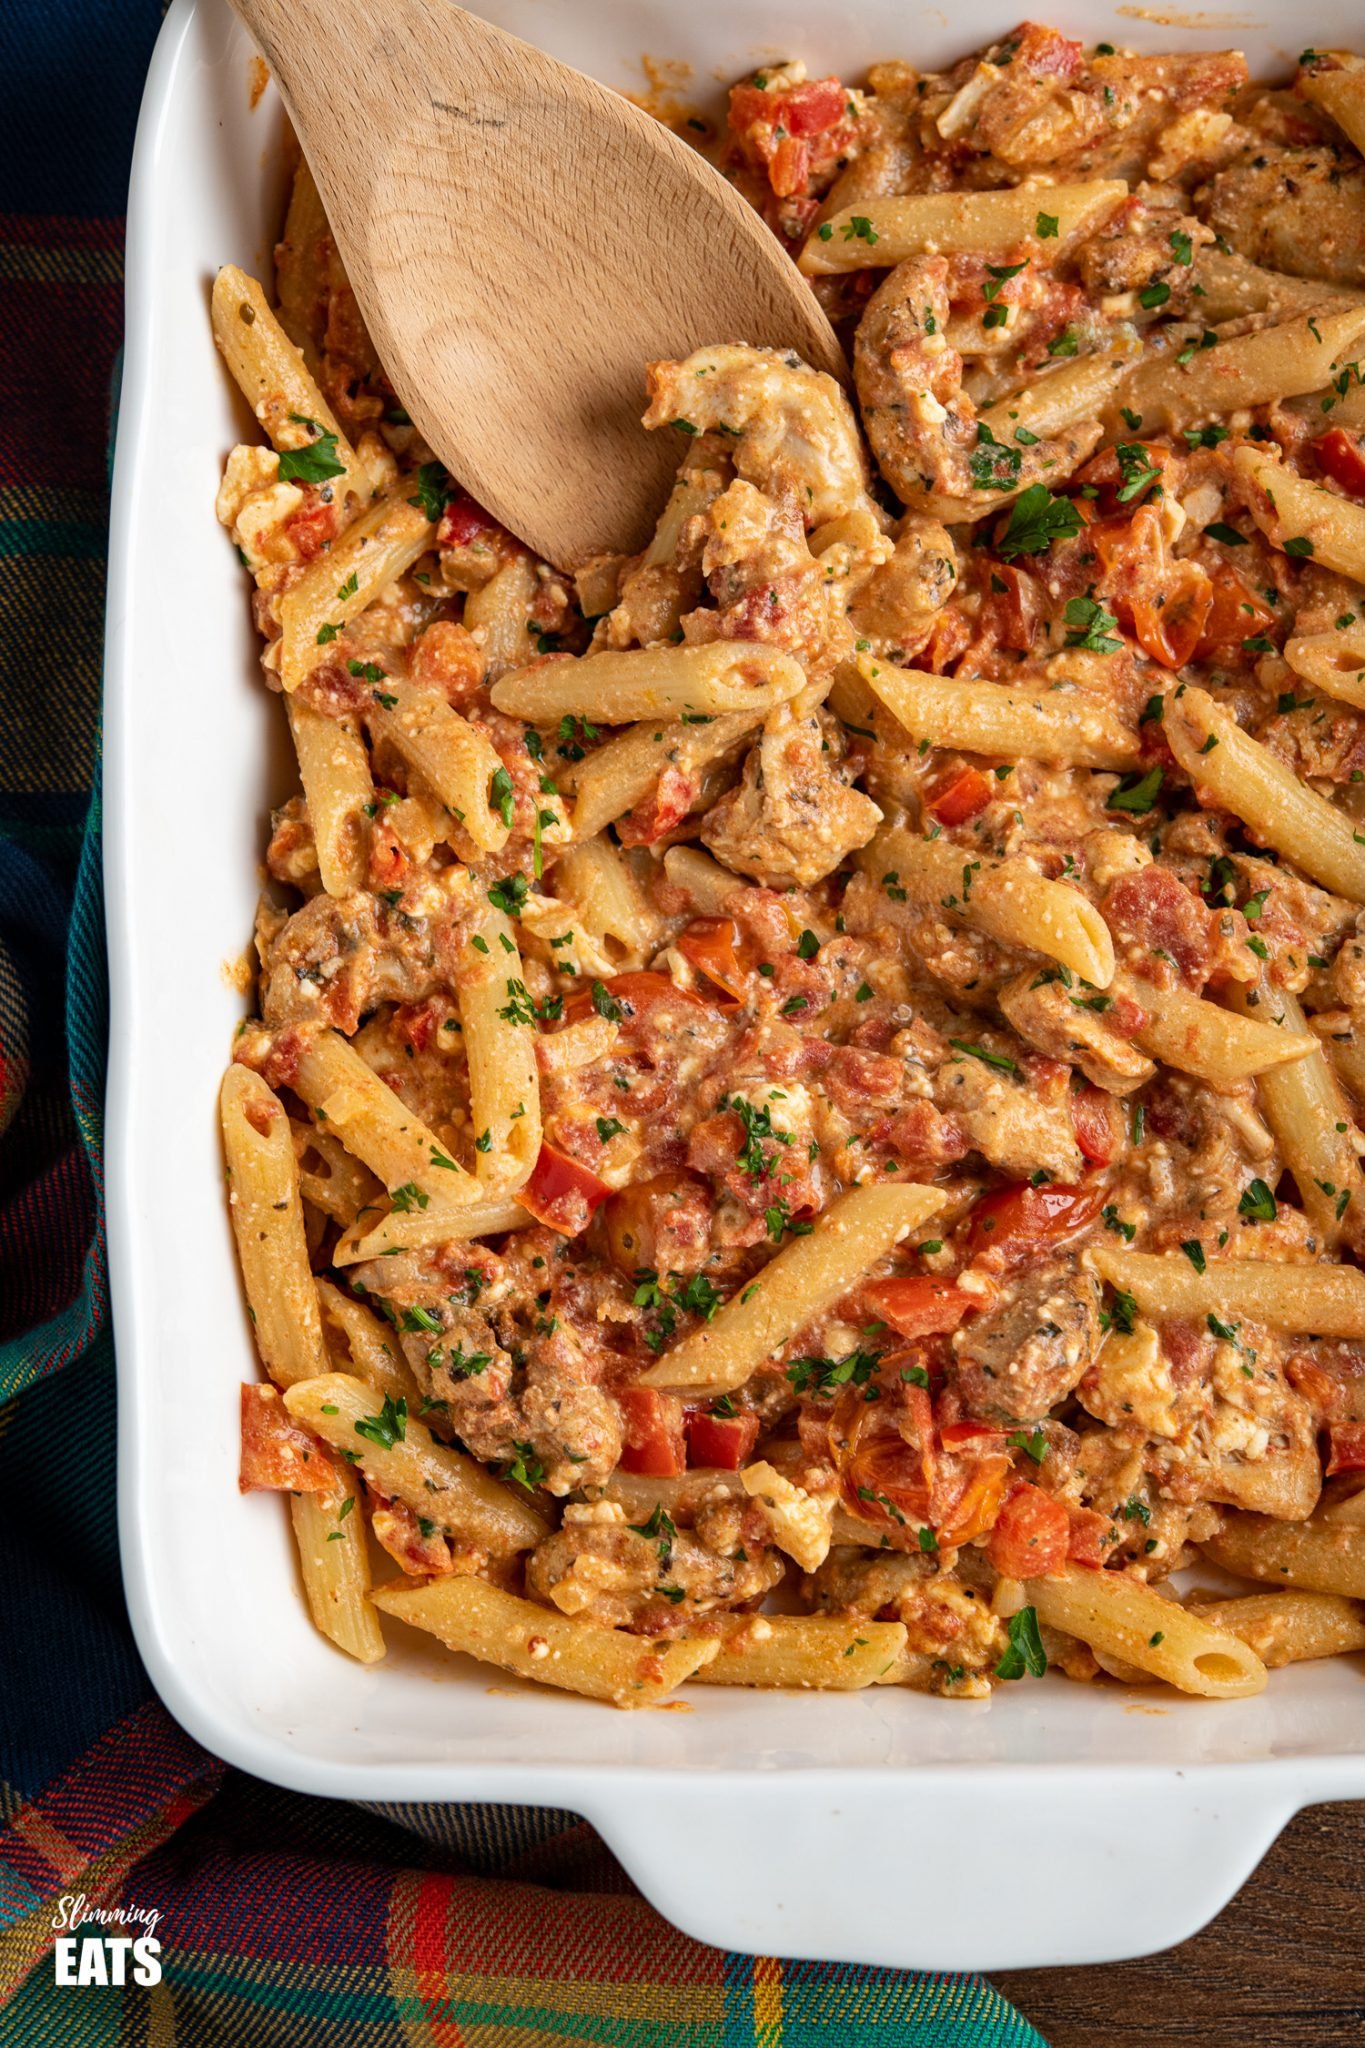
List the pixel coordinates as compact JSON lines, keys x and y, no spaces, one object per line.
{"x":105,"y":1944}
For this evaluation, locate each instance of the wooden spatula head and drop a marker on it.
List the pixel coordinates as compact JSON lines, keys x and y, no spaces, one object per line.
{"x":521,"y":242}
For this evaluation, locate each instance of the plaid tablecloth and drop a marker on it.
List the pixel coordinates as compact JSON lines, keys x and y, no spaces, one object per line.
{"x":281,"y":1919}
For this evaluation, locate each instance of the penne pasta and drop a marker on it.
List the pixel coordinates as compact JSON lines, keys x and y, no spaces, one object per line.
{"x":1327,"y":1300}
{"x":1054,"y":724}
{"x":878,"y":232}
{"x":805,"y":1278}
{"x":1200,"y":1038}
{"x":1247,"y":779}
{"x":371,"y":1349}
{"x":536,"y":1642}
{"x":1297,"y":356}
{"x":374,"y":1124}
{"x":402,"y":1460}
{"x":274,"y":379}
{"x":1320,"y":1556}
{"x":267,"y":1221}
{"x":1333,"y":662}
{"x":379,"y":1235}
{"x":1288,"y":1628}
{"x":705,"y":880}
{"x":1340,"y":92}
{"x":334,"y":1563}
{"x":329,"y":1177}
{"x":1234,"y":287}
{"x":1303,"y":518}
{"x":499,"y":615}
{"x":653,"y":682}
{"x":386,"y":539}
{"x":500,"y":1045}
{"x":803,"y":1651}
{"x":339,"y":790}
{"x":458,"y":764}
{"x":1312,"y":1122}
{"x":1122,"y":1617}
{"x":614,"y":777}
{"x":597,"y":886}
{"x":1006,"y":898}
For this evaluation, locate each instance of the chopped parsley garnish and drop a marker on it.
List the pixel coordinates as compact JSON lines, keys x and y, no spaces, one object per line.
{"x":1194,"y":1252}
{"x":609,"y":1127}
{"x":1090,"y":626}
{"x":312,"y":464}
{"x":1299,"y":546}
{"x":1139,"y":795}
{"x":994,"y":467}
{"x":1229,"y":535}
{"x":510,"y":894}
{"x":433,"y":489}
{"x":820,"y":1376}
{"x":1046,"y":227}
{"x":1036,"y":520}
{"x":524,"y":1466}
{"x":1033,"y":1443}
{"x":390,"y":1426}
{"x":1025,"y":1652}
{"x":407,"y":1198}
{"x":502,"y":796}
{"x":1136,"y":469}
{"x":1257,"y":1203}
{"x":605,"y":1003}
{"x":990,"y":1059}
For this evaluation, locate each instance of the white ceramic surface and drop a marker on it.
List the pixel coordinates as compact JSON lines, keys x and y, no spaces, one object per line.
{"x":1052,"y":1823}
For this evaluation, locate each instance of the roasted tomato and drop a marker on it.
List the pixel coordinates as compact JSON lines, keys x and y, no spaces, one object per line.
{"x":654,"y":1445}
{"x":1346,"y":1445}
{"x":918,"y":1305}
{"x":663,"y":1223}
{"x":1015,"y":1222}
{"x":1098,"y":1123}
{"x":717,"y":948}
{"x":959,"y":797}
{"x":1164,"y":603}
{"x":1092,"y":1537}
{"x":278,"y":1452}
{"x":724,"y":1441}
{"x":1032,"y":1534}
{"x":1341,"y":456}
{"x":561,"y":1193}
{"x":1236,"y":614}
{"x":633,"y":995}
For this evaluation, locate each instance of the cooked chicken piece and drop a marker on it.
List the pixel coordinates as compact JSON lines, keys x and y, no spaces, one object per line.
{"x":1296,"y":210}
{"x":602,"y":1568}
{"x":899,"y":602}
{"x":793,"y":431}
{"x":792,"y":819}
{"x":766,"y":583}
{"x":1005,"y":1120}
{"x":1055,"y":1020}
{"x":1028,"y":1351}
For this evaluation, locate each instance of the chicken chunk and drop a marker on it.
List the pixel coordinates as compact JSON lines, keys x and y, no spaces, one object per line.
{"x":792,"y":818}
{"x":900,"y":601}
{"x":1295,"y":210}
{"x":1007,"y":1122}
{"x":1048,"y":1017}
{"x":1028,"y":1351}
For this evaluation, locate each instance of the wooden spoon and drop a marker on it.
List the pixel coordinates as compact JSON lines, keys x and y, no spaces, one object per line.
{"x":521,"y":242}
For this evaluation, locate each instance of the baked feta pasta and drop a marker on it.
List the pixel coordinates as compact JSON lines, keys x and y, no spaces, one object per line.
{"x":802,"y":1120}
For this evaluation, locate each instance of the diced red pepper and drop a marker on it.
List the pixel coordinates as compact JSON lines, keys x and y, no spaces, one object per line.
{"x":723,"y":1441}
{"x":1032,"y":1534}
{"x":1098,"y":1124}
{"x":654,"y":1445}
{"x":961,"y":797}
{"x":312,"y":526}
{"x":1341,"y":456}
{"x":717,"y":948}
{"x":1346,"y":1441}
{"x":561,"y":1193}
{"x":918,"y":1304}
{"x":1015,"y":1221}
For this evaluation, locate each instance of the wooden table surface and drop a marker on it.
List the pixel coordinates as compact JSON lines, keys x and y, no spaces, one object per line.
{"x":1283,"y":1966}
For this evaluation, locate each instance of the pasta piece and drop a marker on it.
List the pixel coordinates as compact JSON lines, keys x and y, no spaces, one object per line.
{"x":375,"y":1124}
{"x":1312,"y":1123}
{"x":1068,"y":397}
{"x":1200,"y":1038}
{"x":500,"y":1044}
{"x":267,"y":1220}
{"x":443,"y":1485}
{"x":334,"y":1561}
{"x":1234,"y":286}
{"x":986,"y":718}
{"x":1288,"y":1628}
{"x":329,"y":1177}
{"x":805,"y":1278}
{"x":597,"y":885}
{"x":375,"y":1236}
{"x":386,"y":539}
{"x":1246,"y":778}
{"x":612,"y":780}
{"x":372,"y":1346}
{"x":457,"y":763}
{"x":1340,"y":93}
{"x":1303,"y":518}
{"x":817,"y":1651}
{"x":334,"y":768}
{"x":1298,"y":356}
{"x":1320,"y":1556}
{"x":499,"y":615}
{"x":705,"y":880}
{"x":652,"y":682}
{"x":300,"y":280}
{"x":273,"y":377}
{"x":1122,"y":1617}
{"x":1331,"y":662}
{"x":1006,"y":898}
{"x":1327,"y":1300}
{"x":536,"y":1642}
{"x":878,"y":233}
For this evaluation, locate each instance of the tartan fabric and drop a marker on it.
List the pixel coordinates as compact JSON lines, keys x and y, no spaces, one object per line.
{"x":281,"y":1918}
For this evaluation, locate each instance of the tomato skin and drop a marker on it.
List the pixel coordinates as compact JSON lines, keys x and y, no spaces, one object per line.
{"x":560,"y":1193}
{"x":961,"y":797}
{"x":971,"y":1434}
{"x":1346,"y":1442}
{"x":1032,"y":1534}
{"x":1091,"y":1537}
{"x":717,"y":948}
{"x":1341,"y":456}
{"x":279,"y":1453}
{"x":636,"y":992}
{"x":1165,"y":604}
{"x":1236,"y":614}
{"x":1097,"y":1123}
{"x":803,"y":110}
{"x":722,"y":1441}
{"x":312,"y":526}
{"x":654,"y":1445}
{"x":1015,"y":1221}
{"x":463,"y":521}
{"x":918,"y":1304}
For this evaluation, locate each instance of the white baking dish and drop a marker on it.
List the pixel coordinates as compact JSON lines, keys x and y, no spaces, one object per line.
{"x":1052,"y":1824}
